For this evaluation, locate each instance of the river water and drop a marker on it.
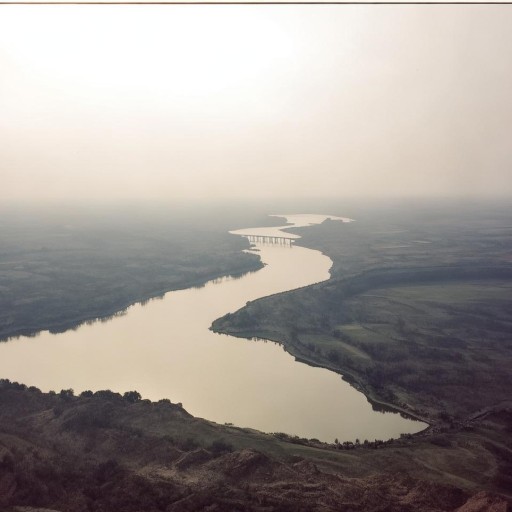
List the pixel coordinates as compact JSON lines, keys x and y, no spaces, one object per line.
{"x":165,"y":349}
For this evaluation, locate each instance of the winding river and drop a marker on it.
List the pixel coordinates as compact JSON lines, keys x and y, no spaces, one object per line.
{"x":165,"y":349}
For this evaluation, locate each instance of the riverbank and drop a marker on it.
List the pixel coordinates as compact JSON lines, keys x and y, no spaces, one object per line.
{"x":413,"y":326}
{"x":119,"y":308}
{"x":389,"y":350}
{"x":297,"y":351}
{"x":422,"y":327}
{"x":58,"y":271}
{"x":105,"y":452}
{"x":166,"y":350}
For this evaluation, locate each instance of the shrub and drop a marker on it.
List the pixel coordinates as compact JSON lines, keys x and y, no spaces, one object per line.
{"x":219,"y":447}
{"x":67,"y":394}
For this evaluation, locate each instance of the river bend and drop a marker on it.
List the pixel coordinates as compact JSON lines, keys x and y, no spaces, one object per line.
{"x":165,"y":349}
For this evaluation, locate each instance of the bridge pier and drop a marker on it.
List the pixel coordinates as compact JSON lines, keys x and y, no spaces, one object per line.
{"x":270,"y":240}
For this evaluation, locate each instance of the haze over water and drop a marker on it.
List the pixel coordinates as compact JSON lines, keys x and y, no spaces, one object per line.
{"x":165,"y":350}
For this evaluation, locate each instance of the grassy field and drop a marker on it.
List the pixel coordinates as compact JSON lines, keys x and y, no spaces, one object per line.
{"x":433,"y":343}
{"x":437,"y":350}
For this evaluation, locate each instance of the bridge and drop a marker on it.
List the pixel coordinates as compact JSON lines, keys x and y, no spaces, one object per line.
{"x":272,"y":240}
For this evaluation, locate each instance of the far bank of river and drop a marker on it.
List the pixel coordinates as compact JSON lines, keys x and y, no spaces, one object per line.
{"x":165,"y":349}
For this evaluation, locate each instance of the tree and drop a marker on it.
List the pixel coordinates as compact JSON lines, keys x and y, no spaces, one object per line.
{"x":67,"y":394}
{"x":132,"y":396}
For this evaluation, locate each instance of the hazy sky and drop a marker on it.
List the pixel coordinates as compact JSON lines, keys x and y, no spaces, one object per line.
{"x":160,"y":102}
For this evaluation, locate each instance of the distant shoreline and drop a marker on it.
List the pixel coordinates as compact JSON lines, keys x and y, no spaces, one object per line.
{"x":120,"y":308}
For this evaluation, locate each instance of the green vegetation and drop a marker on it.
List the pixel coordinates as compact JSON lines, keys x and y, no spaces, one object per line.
{"x":417,"y":315}
{"x":420,"y":347}
{"x":440,"y":348}
{"x":418,"y":337}
{"x":59,"y":269}
{"x":105,"y":452}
